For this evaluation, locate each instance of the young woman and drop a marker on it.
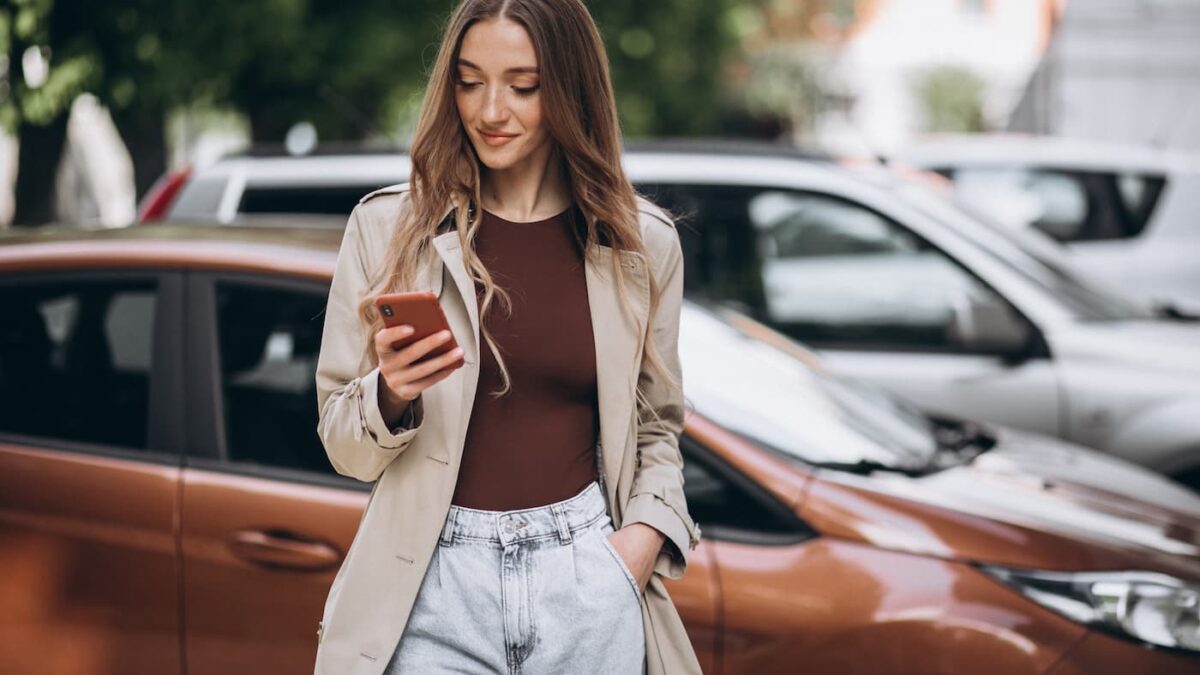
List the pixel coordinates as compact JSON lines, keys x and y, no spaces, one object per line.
{"x":528,"y":491}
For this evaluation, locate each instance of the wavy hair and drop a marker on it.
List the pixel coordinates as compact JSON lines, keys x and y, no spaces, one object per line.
{"x":580,"y":112}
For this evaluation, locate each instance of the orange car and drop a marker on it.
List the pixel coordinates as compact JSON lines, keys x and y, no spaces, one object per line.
{"x":166,"y":506}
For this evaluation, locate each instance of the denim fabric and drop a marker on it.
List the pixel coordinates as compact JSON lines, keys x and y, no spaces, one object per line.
{"x":532,"y":591}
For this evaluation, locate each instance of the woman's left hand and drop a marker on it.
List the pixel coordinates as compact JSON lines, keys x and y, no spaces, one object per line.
{"x":638,"y":544}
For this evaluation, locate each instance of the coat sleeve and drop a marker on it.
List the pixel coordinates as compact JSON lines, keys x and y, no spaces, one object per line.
{"x":357,"y":440}
{"x":657,"y":498}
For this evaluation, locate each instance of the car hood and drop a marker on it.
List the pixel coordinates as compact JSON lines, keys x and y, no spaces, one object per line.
{"x":1159,"y":345}
{"x":1030,"y":502}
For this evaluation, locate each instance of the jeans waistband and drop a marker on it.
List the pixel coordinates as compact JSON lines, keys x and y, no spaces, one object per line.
{"x":560,"y":519}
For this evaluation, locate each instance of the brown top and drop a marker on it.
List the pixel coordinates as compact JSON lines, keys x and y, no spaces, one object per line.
{"x":536,"y":444}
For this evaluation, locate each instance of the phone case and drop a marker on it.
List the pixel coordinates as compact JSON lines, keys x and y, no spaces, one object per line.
{"x":419,"y":310}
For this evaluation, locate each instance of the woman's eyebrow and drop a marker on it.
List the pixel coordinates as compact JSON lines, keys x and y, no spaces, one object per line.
{"x":518,"y":69}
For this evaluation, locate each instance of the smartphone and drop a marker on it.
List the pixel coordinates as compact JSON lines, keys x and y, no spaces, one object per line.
{"x":421,"y":311}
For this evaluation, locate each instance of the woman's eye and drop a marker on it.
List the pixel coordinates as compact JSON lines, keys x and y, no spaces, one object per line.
{"x":468,"y":85}
{"x":525,"y":91}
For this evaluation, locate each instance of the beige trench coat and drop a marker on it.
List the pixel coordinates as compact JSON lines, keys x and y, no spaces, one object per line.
{"x":415,"y":468}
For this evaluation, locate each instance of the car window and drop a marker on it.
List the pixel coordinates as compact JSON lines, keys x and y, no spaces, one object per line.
{"x":836,"y":273}
{"x":1067,"y":205}
{"x":199,"y":199}
{"x":719,"y":246}
{"x":774,"y":393}
{"x":1028,"y":253}
{"x":75,"y":360}
{"x":335,"y":200}
{"x":824,"y":270}
{"x":269,"y":339}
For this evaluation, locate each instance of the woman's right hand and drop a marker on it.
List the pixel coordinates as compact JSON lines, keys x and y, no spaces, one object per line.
{"x":403,"y":378}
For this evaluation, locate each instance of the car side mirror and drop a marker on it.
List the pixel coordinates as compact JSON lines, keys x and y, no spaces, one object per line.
{"x":987,"y":324}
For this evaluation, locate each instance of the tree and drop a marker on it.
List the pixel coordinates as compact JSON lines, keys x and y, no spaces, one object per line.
{"x":951,"y":98}
{"x":667,"y":59}
{"x":47,"y":69}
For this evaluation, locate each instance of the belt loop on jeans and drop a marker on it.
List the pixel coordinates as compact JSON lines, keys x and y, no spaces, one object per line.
{"x":564,"y":528}
{"x":448,"y":528}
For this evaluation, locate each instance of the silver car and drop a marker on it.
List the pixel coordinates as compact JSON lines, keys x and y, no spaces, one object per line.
{"x":1127,"y":213}
{"x":895,"y":284}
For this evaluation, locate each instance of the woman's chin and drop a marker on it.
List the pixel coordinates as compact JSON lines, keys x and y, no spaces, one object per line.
{"x":497,"y":160}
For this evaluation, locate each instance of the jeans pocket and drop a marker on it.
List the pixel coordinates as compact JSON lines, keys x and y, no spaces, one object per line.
{"x":604,"y":532}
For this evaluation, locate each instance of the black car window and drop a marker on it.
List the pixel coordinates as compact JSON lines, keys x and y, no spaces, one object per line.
{"x":337,"y":200}
{"x":720,"y":256}
{"x":75,"y":360}
{"x":269,"y":339}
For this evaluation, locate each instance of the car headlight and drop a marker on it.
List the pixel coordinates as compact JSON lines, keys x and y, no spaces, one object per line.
{"x":1153,"y":608}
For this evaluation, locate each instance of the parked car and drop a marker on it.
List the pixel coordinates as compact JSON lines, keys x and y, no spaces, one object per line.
{"x":166,"y":505}
{"x":896,"y":285}
{"x":900,"y":287}
{"x":268,"y":189}
{"x":1126,"y":212}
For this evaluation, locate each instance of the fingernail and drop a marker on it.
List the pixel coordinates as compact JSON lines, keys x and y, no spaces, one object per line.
{"x":406,"y":329}
{"x":444,"y":334}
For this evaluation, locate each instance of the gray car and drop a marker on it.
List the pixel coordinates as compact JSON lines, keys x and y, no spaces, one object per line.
{"x":895,"y":284}
{"x":1127,"y":213}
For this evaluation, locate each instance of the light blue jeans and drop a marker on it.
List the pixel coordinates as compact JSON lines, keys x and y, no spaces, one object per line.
{"x":528,"y":591}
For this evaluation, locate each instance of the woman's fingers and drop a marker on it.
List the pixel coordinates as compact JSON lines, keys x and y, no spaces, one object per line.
{"x":417,"y":350}
{"x":428,"y":382}
{"x":430,"y":366}
{"x":386,"y":337}
{"x":404,"y":371}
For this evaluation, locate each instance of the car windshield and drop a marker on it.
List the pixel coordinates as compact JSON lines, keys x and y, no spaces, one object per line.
{"x":1031,"y":254}
{"x":760,"y":385}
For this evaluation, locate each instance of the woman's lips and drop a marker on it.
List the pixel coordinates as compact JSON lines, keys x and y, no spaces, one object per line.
{"x":496,"y":140}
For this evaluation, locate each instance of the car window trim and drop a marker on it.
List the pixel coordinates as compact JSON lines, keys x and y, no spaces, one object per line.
{"x":277,"y":473}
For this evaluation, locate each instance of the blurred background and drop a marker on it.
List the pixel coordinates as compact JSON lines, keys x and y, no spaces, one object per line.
{"x":937,"y":254}
{"x":100,"y":99}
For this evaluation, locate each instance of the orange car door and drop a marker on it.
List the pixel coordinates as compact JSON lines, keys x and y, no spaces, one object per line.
{"x":266,"y":522}
{"x":89,"y":469}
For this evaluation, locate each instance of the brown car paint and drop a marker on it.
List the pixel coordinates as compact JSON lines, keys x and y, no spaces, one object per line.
{"x":114,"y":565}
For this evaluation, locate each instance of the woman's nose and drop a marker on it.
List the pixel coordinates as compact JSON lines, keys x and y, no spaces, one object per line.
{"x":495,"y":110}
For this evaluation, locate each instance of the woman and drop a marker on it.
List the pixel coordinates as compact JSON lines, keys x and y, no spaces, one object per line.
{"x":528,"y":490}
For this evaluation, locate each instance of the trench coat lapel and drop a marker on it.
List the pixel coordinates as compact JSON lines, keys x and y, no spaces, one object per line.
{"x":617,"y":336}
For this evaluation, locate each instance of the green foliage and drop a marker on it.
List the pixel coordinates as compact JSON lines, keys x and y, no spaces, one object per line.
{"x":352,"y":68}
{"x":951,"y":98}
{"x":667,"y":58}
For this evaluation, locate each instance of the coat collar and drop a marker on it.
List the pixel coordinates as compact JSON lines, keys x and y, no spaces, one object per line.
{"x":617,"y":334}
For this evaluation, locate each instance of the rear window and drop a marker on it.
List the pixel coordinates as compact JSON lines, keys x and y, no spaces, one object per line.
{"x":199,"y":199}
{"x":1067,"y":205}
{"x":339,"y":200}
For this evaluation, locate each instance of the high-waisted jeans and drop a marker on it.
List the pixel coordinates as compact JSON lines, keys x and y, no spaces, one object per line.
{"x":528,"y":591}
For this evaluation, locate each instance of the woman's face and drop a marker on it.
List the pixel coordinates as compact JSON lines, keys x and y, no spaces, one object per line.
{"x":498,"y":95}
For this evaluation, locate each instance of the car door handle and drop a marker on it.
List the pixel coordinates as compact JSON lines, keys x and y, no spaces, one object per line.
{"x":283,"y":549}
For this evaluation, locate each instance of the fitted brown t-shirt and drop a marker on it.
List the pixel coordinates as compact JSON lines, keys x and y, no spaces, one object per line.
{"x":536,"y":444}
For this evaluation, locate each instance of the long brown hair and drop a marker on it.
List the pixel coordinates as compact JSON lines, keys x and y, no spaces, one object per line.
{"x":580,"y":112}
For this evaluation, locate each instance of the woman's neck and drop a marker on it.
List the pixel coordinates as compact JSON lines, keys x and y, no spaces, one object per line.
{"x":527,"y":193}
